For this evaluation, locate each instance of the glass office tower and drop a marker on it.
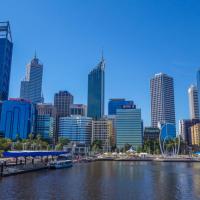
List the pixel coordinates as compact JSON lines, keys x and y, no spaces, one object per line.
{"x":128,"y":127}
{"x":77,"y":129}
{"x":6,"y":47}
{"x":96,"y":91}
{"x":17,"y":118}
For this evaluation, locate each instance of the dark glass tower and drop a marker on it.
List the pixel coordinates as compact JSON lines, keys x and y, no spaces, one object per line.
{"x":96,"y":91}
{"x":6,"y":47}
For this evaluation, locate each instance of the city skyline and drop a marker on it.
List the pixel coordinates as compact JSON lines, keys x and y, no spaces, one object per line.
{"x":121,"y":63}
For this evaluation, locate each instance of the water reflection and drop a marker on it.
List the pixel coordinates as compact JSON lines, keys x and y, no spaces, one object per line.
{"x":108,"y":180}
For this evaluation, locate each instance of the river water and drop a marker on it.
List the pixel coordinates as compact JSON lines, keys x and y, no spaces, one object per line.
{"x":107,"y":180}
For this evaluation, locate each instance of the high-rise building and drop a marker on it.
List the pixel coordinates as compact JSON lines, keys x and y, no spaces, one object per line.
{"x":6,"y":47}
{"x":96,"y":91}
{"x":78,"y":109}
{"x":193,"y":102}
{"x":102,"y":130}
{"x":195,"y":134}
{"x":77,"y":129}
{"x":46,"y":120}
{"x":128,"y":127}
{"x":162,"y":100}
{"x":17,"y":118}
{"x":117,"y":103}
{"x":184,"y":129}
{"x":62,"y":102}
{"x":31,"y":86}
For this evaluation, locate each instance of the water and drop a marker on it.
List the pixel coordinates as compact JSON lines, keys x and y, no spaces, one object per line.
{"x":107,"y":180}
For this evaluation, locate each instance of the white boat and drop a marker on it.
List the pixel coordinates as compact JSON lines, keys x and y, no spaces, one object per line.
{"x":61,"y":162}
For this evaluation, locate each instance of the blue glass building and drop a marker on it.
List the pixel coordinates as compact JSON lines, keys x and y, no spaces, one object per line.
{"x":128,"y":127}
{"x":45,"y":126}
{"x":115,"y":104}
{"x":17,"y":118}
{"x":77,"y":129}
{"x":96,"y":91}
{"x":168,"y":131}
{"x":6,"y":47}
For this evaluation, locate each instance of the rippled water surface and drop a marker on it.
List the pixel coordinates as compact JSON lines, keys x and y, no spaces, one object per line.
{"x":107,"y":180}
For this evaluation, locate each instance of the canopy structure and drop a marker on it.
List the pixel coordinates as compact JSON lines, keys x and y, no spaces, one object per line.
{"x":15,"y":154}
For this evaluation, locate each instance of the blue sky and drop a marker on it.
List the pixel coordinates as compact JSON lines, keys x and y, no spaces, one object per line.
{"x":139,"y":38}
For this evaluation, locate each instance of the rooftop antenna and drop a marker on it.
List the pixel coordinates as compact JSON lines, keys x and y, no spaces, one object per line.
{"x":35,"y":56}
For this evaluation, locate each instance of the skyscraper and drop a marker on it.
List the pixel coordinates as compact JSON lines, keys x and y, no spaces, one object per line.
{"x":162,"y":100}
{"x":193,"y":102}
{"x":96,"y":91}
{"x":6,"y":47}
{"x":31,"y":87}
{"x":198,"y":86}
{"x":62,"y":102}
{"x":116,"y":103}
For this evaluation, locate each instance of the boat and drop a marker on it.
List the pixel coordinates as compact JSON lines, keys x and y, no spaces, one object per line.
{"x":62,"y":161}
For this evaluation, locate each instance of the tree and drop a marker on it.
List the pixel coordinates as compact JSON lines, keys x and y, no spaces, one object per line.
{"x":97,"y":145}
{"x":30,"y":136}
{"x":63,"y":141}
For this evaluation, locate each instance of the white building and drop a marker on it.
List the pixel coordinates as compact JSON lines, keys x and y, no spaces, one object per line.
{"x":162,"y":100}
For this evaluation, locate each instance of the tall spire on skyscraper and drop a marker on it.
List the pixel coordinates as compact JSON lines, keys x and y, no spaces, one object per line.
{"x":35,"y":55}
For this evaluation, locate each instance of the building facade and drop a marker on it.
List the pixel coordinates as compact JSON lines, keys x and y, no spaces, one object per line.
{"x":117,"y":103}
{"x":128,"y":127}
{"x":46,"y":109}
{"x":62,"y":102}
{"x":6,"y":47}
{"x":1,"y":103}
{"x":193,"y":102}
{"x":103,"y":131}
{"x":77,"y":129}
{"x":151,"y":134}
{"x":162,"y":100}
{"x":17,"y":118}
{"x":45,"y":126}
{"x":195,"y":134}
{"x":78,"y":109}
{"x":31,"y":86}
{"x":96,"y":91}
{"x":198,"y":85}
{"x":185,"y":131}
{"x":46,"y":121}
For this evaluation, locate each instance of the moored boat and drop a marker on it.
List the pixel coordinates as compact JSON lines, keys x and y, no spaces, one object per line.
{"x":62,"y":162}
